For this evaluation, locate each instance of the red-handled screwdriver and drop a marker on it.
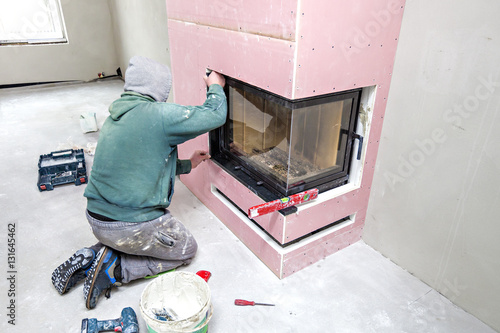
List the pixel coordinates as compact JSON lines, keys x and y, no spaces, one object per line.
{"x":242,"y":302}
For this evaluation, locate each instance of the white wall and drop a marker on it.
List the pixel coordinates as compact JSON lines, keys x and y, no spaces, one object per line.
{"x":435,"y":200}
{"x":140,"y":28}
{"x":90,"y":50}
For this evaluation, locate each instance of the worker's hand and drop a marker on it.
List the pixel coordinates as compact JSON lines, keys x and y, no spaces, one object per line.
{"x":216,"y":78}
{"x":198,"y":157}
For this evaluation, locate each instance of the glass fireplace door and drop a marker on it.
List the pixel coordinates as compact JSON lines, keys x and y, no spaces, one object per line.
{"x":289,"y":145}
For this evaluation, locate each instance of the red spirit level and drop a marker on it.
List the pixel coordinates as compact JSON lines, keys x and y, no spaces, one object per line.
{"x":282,"y":203}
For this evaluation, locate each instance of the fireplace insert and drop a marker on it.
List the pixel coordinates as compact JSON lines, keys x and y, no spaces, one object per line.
{"x":278,"y":147}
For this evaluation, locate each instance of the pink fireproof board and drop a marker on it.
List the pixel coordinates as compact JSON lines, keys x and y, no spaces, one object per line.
{"x":295,"y":49}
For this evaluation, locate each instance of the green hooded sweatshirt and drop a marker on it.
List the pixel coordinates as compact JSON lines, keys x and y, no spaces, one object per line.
{"x":136,"y":162}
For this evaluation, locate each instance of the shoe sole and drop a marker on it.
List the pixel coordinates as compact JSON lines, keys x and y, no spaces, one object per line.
{"x":63,"y":274}
{"x":87,"y":289}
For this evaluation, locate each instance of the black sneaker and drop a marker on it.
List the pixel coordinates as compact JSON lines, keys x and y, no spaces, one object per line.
{"x":101,"y":276}
{"x":72,"y":270}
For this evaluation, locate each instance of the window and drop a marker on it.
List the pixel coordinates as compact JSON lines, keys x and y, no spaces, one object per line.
{"x":31,"y":22}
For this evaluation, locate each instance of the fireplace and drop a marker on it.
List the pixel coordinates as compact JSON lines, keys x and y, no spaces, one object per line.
{"x":280,"y":147}
{"x":308,"y":84}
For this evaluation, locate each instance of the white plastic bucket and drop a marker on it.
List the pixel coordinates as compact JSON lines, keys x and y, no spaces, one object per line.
{"x":186,"y":294}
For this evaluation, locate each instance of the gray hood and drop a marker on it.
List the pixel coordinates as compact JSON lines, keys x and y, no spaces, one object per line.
{"x":148,"y":77}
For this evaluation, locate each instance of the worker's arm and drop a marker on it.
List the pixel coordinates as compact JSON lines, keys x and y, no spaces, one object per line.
{"x":182,"y":123}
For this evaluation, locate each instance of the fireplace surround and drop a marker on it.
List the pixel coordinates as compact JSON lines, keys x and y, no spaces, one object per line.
{"x":296,"y":52}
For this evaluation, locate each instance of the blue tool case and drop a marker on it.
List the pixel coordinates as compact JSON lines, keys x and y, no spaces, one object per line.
{"x":61,"y":167}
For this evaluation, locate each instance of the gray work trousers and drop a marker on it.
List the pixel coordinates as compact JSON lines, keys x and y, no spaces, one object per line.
{"x":146,"y":248}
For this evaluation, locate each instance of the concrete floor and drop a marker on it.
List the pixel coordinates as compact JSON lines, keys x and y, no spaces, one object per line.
{"x":354,"y":290}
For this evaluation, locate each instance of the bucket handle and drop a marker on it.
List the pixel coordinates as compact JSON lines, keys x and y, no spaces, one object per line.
{"x":205,"y":275}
